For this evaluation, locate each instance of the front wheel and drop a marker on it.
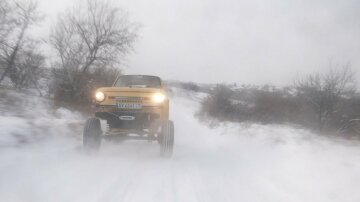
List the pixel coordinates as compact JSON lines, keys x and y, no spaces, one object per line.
{"x":92,"y":135}
{"x":167,"y":139}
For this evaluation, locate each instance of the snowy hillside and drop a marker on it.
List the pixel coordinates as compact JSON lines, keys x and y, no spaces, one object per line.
{"x":26,"y":117}
{"x":232,"y":162}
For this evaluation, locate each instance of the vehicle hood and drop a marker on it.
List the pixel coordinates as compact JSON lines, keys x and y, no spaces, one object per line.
{"x":127,"y":89}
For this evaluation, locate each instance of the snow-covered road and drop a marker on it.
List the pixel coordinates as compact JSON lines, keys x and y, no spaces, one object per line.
{"x":247,"y":163}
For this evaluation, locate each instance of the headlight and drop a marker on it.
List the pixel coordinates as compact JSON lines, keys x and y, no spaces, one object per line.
{"x":100,"y":96}
{"x":158,"y":98}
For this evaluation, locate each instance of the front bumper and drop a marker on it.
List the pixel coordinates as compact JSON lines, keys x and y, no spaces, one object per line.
{"x":129,"y":119}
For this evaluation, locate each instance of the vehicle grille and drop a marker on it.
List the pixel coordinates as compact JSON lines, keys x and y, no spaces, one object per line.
{"x":128,"y":99}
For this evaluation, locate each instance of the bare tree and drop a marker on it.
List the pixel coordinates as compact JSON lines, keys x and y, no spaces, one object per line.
{"x":7,"y":20}
{"x":93,"y":34}
{"x":29,"y":67}
{"x":16,"y":19}
{"x":323,"y":92}
{"x":7,"y":25}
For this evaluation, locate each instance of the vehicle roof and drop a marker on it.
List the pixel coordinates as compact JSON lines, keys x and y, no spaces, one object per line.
{"x":117,"y":78}
{"x":138,"y":75}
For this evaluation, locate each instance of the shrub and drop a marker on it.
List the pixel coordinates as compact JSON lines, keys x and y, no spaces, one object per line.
{"x":218,"y":104}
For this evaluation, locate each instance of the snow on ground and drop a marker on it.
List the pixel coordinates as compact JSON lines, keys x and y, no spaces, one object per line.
{"x":26,"y":117}
{"x":232,"y":162}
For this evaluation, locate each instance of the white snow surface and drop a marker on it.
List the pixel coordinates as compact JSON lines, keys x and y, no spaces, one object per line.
{"x":233,"y":162}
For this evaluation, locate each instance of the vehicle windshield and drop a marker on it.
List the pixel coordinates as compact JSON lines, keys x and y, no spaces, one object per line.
{"x":138,"y":81}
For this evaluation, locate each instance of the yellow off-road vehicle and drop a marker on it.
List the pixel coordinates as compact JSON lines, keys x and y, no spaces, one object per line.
{"x":135,"y":107}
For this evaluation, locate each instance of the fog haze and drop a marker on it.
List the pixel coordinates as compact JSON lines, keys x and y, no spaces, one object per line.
{"x":253,"y":42}
{"x":67,"y":133}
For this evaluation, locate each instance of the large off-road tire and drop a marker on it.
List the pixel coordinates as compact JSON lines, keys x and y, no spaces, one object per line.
{"x":167,"y":139}
{"x":92,"y":135}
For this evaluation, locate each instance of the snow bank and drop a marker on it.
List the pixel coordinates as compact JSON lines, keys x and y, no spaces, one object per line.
{"x":26,"y":117}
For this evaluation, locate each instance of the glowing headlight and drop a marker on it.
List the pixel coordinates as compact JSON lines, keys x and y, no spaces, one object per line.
{"x":158,"y":98}
{"x":100,"y":96}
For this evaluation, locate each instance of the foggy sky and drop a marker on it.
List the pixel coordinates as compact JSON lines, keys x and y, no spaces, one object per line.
{"x":253,"y":41}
